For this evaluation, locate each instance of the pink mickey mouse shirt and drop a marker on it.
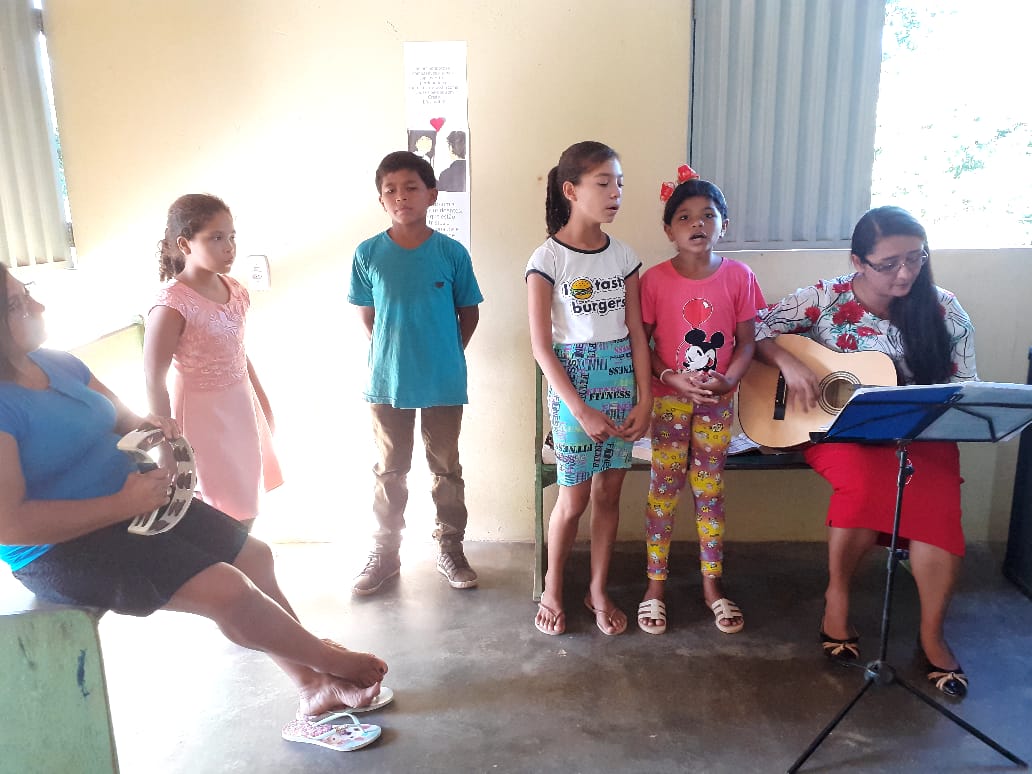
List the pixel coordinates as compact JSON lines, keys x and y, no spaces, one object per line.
{"x":695,"y":319}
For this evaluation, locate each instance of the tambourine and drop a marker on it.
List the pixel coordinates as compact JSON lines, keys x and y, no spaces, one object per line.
{"x":136,"y":444}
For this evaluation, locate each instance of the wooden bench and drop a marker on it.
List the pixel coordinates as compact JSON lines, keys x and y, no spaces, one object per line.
{"x":53,"y":691}
{"x":545,"y":476}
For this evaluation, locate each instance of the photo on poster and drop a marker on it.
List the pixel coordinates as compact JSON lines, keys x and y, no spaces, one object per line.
{"x":453,"y":177}
{"x":423,"y":142}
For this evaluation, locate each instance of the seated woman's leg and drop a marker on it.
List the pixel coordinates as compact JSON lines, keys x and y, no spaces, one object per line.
{"x":936,"y":572}
{"x":846,"y":548}
{"x":326,"y":674}
{"x":255,"y":560}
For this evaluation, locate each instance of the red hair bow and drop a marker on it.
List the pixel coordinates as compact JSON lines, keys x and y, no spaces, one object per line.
{"x":684,"y":174}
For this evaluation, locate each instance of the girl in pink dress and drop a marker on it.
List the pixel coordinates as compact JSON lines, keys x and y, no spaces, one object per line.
{"x":197,"y":326}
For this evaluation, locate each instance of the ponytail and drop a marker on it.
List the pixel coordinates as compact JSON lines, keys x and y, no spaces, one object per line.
{"x":171,"y":260}
{"x":557,"y":207}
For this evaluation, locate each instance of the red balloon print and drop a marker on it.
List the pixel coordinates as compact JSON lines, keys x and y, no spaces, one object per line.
{"x":697,"y":311}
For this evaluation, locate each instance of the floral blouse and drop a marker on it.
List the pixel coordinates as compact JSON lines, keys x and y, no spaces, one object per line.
{"x":830,"y":314}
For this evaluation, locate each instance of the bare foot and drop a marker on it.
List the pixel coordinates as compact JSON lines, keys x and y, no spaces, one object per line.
{"x":364,"y":669}
{"x":550,"y":620}
{"x":327,"y":693}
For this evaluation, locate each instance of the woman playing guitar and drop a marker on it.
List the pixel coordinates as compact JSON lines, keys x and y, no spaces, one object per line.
{"x":889,"y":303}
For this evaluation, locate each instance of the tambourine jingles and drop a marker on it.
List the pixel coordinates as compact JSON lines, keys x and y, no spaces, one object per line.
{"x":136,"y":444}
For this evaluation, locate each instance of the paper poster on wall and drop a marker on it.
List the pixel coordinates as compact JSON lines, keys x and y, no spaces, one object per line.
{"x":436,"y":117}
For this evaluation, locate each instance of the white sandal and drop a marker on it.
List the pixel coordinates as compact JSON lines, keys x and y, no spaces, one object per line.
{"x":654,"y":610}
{"x":728,"y":610}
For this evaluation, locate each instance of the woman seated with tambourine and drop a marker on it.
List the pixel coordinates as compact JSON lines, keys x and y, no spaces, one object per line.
{"x":889,"y":303}
{"x":68,"y":495}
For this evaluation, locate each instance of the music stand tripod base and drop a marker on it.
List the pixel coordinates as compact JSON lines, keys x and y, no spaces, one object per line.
{"x":973,"y":411}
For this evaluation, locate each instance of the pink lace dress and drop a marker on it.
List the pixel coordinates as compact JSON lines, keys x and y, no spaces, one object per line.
{"x":214,"y":402}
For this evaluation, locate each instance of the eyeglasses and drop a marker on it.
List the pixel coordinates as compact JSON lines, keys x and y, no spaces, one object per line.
{"x":914,"y":260}
{"x":20,"y":305}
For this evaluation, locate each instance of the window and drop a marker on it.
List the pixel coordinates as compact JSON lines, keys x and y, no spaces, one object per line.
{"x":34,"y":227}
{"x":783,"y":115}
{"x":808,"y":112}
{"x":954,"y":137}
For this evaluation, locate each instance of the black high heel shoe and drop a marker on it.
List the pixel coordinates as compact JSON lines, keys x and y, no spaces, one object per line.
{"x":952,"y":682}
{"x":845,"y":651}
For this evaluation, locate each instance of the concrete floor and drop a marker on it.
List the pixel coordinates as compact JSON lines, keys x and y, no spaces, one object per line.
{"x":480,"y":690}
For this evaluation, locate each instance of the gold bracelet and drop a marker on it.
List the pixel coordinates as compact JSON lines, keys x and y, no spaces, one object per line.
{"x":663,"y":373}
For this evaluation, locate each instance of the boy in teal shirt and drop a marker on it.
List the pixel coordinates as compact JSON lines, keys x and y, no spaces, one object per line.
{"x":418,"y":300}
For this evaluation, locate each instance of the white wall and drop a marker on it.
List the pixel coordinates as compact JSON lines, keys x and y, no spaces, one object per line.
{"x":284,"y":109}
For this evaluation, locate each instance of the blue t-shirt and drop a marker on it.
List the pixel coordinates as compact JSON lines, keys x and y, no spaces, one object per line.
{"x":66,"y":440}
{"x":415,"y":356}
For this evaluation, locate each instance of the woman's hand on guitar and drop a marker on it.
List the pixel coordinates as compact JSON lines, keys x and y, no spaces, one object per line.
{"x":596,"y":424}
{"x":803,"y":384}
{"x":637,"y":422}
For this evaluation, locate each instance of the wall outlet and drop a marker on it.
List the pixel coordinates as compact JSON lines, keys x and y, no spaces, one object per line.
{"x":258,"y":277}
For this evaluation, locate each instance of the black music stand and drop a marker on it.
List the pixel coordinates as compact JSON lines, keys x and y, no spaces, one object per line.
{"x":966,"y":411}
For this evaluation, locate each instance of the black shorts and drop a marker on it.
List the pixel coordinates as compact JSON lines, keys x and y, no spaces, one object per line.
{"x":134,"y":574}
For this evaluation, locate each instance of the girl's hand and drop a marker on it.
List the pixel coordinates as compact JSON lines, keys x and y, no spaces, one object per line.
{"x":637,"y":422}
{"x":689,"y":389}
{"x":597,"y":425}
{"x":143,"y":492}
{"x":168,"y":425}
{"x":715,"y":382}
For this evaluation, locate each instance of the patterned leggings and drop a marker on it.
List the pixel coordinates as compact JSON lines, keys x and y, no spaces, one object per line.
{"x":680,"y":429}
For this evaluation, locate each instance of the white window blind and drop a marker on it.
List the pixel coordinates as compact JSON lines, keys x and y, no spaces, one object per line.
{"x":32,"y":223}
{"x":783,"y":115}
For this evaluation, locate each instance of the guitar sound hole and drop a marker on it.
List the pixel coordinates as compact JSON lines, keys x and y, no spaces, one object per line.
{"x":836,"y":388}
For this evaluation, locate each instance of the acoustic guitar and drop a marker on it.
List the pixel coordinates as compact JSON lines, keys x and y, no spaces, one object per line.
{"x":769,"y":419}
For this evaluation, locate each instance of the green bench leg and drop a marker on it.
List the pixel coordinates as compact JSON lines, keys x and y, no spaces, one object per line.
{"x":539,"y":536}
{"x":53,"y":694}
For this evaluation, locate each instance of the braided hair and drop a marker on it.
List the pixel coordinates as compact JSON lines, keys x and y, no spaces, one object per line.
{"x":576,"y":160}
{"x":186,"y":217}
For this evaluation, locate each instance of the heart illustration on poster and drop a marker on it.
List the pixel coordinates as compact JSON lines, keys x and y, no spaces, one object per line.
{"x":437,"y":123}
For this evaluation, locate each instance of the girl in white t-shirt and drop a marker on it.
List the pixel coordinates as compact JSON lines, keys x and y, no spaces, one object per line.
{"x":587,"y":336}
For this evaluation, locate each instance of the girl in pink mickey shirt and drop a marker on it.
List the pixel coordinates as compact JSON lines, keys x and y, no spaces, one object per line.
{"x":699,"y":310}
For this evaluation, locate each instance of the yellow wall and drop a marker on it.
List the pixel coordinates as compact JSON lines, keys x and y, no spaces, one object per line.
{"x":284,"y":109}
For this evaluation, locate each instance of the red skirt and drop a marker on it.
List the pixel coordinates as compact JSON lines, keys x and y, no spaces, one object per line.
{"x":864,"y":482}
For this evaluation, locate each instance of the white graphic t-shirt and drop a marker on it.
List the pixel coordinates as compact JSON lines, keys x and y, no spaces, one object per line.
{"x":588,"y":289}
